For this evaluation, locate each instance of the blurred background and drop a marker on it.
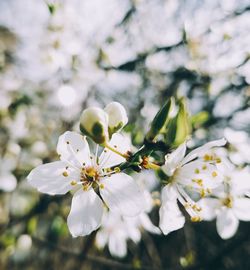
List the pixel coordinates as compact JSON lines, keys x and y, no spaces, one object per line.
{"x":59,"y":57}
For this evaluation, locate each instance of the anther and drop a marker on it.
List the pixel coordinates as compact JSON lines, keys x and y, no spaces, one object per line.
{"x":65,"y":174}
{"x":197,"y":171}
{"x":101,"y":186}
{"x":73,"y":183}
{"x":214,"y":174}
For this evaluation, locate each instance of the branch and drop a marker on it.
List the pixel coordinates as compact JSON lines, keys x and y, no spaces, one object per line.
{"x":132,"y":64}
{"x":92,"y":258}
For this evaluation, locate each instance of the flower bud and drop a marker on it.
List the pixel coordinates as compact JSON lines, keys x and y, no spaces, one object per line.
{"x":179,"y":127}
{"x":94,"y":124}
{"x":161,"y":120}
{"x":117,"y":117}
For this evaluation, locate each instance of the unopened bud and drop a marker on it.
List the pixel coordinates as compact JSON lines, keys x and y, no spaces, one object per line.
{"x":117,"y":117}
{"x":179,"y":126}
{"x":160,"y":121}
{"x":94,"y":124}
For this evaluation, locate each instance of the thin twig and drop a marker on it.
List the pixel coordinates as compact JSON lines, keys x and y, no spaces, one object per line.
{"x":89,"y":257}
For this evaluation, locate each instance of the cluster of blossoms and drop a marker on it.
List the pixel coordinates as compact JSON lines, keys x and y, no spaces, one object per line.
{"x":106,"y":196}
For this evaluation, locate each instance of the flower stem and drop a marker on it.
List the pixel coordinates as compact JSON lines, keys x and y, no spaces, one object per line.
{"x":115,"y":151}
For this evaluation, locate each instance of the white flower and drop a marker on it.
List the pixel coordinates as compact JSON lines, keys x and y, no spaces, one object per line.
{"x":230,"y":205}
{"x":117,"y":230}
{"x":117,"y":116}
{"x":84,"y":173}
{"x":196,"y":171}
{"x":94,"y":123}
{"x":240,"y":142}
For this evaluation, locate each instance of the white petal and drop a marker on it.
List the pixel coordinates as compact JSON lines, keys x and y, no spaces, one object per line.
{"x":200,"y":151}
{"x":209,"y":208}
{"x":241,"y":207}
{"x":133,"y":230}
{"x":8,"y":182}
{"x":227,"y":224}
{"x":101,"y":238}
{"x":188,"y":173}
{"x":48,"y":178}
{"x":108,"y":158}
{"x":86,"y":213}
{"x":117,"y":115}
{"x":173,"y":160}
{"x":122,"y":195}
{"x":169,"y":193}
{"x":74,"y":149}
{"x":117,"y":245}
{"x":171,"y":218}
{"x":148,"y":225}
{"x":240,"y":181}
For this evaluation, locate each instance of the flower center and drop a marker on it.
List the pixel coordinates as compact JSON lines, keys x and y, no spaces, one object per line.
{"x":88,"y":176}
{"x":228,"y":202}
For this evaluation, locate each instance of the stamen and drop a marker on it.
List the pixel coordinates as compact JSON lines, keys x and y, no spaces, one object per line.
{"x":197,"y":171}
{"x":65,"y":174}
{"x":101,"y":186}
{"x":214,"y":174}
{"x":204,"y":167}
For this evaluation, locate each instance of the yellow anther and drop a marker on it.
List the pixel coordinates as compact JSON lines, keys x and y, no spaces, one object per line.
{"x":198,"y":182}
{"x":204,"y":167}
{"x":214,"y":174}
{"x":117,"y":169}
{"x":197,"y":171}
{"x":228,"y":202}
{"x":218,"y":160}
{"x":196,"y":219}
{"x":207,"y":157}
{"x":202,"y":192}
{"x":90,"y":171}
{"x":196,"y":208}
{"x":73,"y":183}
{"x":85,"y":188}
{"x":65,"y":174}
{"x":101,"y":186}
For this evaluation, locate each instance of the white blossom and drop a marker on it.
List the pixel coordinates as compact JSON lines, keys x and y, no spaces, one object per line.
{"x":196,"y":171}
{"x":117,"y":230}
{"x":84,"y":173}
{"x":229,"y":204}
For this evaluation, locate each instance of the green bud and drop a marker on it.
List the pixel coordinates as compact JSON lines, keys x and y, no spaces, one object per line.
{"x":179,"y":126}
{"x":161,"y":120}
{"x":94,"y":124}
